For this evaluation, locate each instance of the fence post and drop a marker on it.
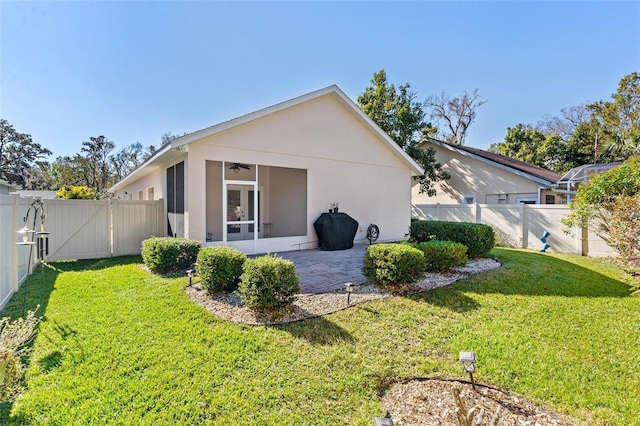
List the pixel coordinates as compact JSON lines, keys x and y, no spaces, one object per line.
{"x":160,"y":217}
{"x":524,"y":226}
{"x":584,"y":239}
{"x":438,"y":211}
{"x":15,"y":274}
{"x":113,"y":244}
{"x":478,"y":213}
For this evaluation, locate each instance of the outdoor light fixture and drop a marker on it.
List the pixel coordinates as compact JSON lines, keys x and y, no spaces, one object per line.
{"x":190,"y":275}
{"x":26,"y":234}
{"x":23,"y":235}
{"x":468,"y":360}
{"x":382,"y":421}
{"x":349,"y":289}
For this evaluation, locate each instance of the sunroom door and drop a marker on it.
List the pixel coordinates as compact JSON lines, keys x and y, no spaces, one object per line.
{"x":241,"y":221}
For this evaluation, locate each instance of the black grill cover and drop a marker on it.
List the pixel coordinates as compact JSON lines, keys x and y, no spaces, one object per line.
{"x":336,"y":231}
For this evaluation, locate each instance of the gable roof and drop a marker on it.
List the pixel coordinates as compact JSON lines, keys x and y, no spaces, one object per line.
{"x":334,"y":91}
{"x":539,"y":174}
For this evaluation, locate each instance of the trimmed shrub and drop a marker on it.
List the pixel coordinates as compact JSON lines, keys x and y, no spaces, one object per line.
{"x":393,"y":264}
{"x":443,"y":255}
{"x":219,"y":268}
{"x":166,"y":254}
{"x":478,"y":238}
{"x":268,"y":283}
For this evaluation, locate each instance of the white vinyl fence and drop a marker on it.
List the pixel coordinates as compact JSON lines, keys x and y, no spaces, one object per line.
{"x":13,"y":262}
{"x":79,"y":229}
{"x":521,"y":225}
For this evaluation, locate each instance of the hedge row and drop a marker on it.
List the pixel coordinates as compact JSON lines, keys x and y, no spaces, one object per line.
{"x":266,"y":283}
{"x":443,"y":255}
{"x":167,"y":254}
{"x":478,"y":238}
{"x":393,"y":264}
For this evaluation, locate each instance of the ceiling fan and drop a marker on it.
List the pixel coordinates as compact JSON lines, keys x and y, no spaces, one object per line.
{"x":237,"y":166}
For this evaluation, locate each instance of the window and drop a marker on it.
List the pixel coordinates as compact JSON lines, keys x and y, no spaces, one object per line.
{"x":150,"y":194}
{"x":526,"y":200}
{"x":469,"y":199}
{"x":502,"y":198}
{"x":550,"y":199}
{"x":140,"y":195}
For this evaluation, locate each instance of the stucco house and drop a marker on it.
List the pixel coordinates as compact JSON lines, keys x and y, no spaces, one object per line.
{"x":6,"y":187}
{"x":258,"y":182}
{"x":479,"y":176}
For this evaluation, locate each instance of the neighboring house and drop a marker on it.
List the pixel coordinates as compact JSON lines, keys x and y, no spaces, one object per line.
{"x":479,"y":176}
{"x":568,"y":184}
{"x":6,"y":187}
{"x":45,"y":195}
{"x":258,"y":182}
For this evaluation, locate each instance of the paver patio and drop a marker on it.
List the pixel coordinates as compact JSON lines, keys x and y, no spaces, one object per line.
{"x":323,"y":271}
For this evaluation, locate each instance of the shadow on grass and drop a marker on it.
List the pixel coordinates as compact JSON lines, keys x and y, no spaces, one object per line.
{"x":537,"y":274}
{"x":7,"y":419}
{"x":93,"y":264}
{"x":36,"y":291}
{"x":317,"y":331}
{"x":449,"y":298}
{"x":529,"y":273}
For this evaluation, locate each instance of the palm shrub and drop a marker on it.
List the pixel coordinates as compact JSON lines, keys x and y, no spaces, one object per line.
{"x":479,"y":238}
{"x":443,"y":255}
{"x":219,"y":268}
{"x":166,"y":254}
{"x":268,"y":283}
{"x":393,"y":264}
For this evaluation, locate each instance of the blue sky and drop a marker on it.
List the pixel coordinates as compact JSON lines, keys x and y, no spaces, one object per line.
{"x":134,"y":70}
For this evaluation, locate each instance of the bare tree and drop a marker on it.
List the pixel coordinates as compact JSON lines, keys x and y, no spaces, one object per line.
{"x":566,"y":125}
{"x":457,"y":114}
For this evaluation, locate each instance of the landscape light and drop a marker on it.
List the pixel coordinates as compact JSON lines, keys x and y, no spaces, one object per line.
{"x":349,"y":290}
{"x":190,"y":275}
{"x":468,"y":360}
{"x":382,"y":421}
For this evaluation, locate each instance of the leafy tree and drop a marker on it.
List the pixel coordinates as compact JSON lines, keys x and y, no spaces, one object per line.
{"x":619,"y":119}
{"x":72,"y":192}
{"x":93,"y":164}
{"x":39,"y":176}
{"x":457,"y":113}
{"x":18,"y":153}
{"x":525,"y":143}
{"x":127,"y":159}
{"x":398,"y":113}
{"x":64,"y":172}
{"x":607,"y":204}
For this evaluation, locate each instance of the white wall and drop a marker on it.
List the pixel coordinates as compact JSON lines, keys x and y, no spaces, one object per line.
{"x":155,"y":179}
{"x":521,"y":226}
{"x":345,"y":162}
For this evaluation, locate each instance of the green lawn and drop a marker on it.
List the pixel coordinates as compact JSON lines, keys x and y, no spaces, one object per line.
{"x":119,"y":345}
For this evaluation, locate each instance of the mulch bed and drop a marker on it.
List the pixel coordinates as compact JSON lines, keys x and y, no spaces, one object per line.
{"x":428,"y":402}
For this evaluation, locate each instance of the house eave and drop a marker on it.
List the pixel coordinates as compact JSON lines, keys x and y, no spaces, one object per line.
{"x":332,"y":90}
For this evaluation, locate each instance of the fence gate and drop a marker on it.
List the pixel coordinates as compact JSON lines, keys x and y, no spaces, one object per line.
{"x":80,"y":229}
